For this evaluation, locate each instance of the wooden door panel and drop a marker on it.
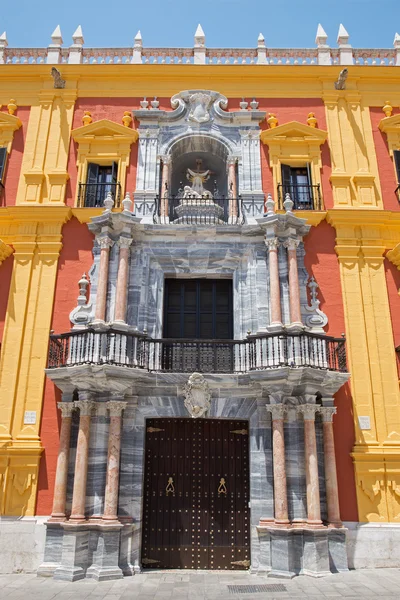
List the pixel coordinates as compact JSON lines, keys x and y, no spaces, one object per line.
{"x":196,"y":484}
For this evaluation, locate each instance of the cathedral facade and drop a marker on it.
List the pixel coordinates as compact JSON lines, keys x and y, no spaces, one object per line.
{"x":198,"y":310}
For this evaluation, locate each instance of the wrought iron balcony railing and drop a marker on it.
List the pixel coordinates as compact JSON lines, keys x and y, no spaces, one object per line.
{"x":91,"y":195}
{"x":195,"y":210}
{"x":132,"y":350}
{"x":305,"y":197}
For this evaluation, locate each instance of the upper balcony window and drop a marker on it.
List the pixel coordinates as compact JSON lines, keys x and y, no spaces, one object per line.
{"x":297,"y":182}
{"x":295,"y":160}
{"x":100,"y":180}
{"x":103,"y":157}
{"x":396,"y":158}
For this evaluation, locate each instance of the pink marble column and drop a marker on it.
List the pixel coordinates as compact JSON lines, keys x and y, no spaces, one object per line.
{"x":105,"y":244}
{"x":166,"y":162}
{"x":311,"y":464}
{"x":232,"y":188}
{"x":60,"y":486}
{"x":331,"y":484}
{"x":122,"y":279}
{"x":81,"y":462}
{"x":278,"y":450}
{"x":294,"y":290}
{"x":274,"y":285}
{"x":110,"y":513}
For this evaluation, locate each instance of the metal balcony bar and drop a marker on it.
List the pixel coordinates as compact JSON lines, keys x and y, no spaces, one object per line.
{"x":91,"y":195}
{"x":195,"y":210}
{"x":134,"y":350}
{"x":305,"y":197}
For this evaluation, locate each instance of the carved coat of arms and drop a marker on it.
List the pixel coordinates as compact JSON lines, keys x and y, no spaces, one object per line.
{"x":197,"y":395}
{"x":199,"y":104}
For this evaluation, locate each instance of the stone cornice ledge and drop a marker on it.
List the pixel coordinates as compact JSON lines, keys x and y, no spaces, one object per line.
{"x":394,"y":256}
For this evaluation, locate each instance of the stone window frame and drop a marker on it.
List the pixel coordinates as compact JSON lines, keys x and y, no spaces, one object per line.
{"x":103,"y":142}
{"x":8,"y":125}
{"x":391,"y":126}
{"x":296,"y":145}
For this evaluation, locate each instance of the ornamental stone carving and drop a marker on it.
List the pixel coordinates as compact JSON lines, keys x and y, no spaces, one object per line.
{"x":85,"y":407}
{"x":199,"y":103}
{"x":116,"y":407}
{"x":197,"y":395}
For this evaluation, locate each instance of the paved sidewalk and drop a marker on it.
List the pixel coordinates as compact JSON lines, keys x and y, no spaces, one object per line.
{"x":372,"y":583}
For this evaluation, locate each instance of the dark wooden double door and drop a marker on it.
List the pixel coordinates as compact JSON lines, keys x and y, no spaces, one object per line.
{"x":196,"y":495}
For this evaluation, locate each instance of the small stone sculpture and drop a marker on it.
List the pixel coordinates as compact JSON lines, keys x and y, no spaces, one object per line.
{"x":59,"y":83}
{"x":340,"y":84}
{"x":197,"y":395}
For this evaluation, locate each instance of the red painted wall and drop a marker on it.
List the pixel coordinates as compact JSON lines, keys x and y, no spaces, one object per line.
{"x":296,"y":110}
{"x":321,"y":261}
{"x":75,"y":259}
{"x":5,"y":280}
{"x":14,"y":161}
{"x":386,"y":169}
{"x":393,"y":285}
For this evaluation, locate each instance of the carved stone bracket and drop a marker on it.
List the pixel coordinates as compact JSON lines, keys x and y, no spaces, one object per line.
{"x":317,"y":319}
{"x":197,"y":395}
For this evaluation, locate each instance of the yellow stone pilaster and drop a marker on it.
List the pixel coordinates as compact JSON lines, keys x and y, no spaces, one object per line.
{"x":361,"y":243}
{"x":44,"y":172}
{"x":354,"y":178}
{"x":35,"y":234}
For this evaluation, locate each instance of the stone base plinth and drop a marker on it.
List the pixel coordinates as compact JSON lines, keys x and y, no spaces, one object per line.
{"x":104,"y":550}
{"x":298,"y":550}
{"x":53,"y":549}
{"x":74,"y":556}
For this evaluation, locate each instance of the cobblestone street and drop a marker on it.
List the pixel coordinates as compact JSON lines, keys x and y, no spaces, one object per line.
{"x":378,"y":583}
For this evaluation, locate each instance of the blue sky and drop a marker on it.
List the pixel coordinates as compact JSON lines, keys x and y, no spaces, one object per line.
{"x":227,"y":23}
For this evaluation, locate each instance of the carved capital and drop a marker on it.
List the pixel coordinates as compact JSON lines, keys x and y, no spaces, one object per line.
{"x":291,"y":244}
{"x":327,"y":413}
{"x":105,"y":242}
{"x":308,"y":411}
{"x":124,"y":242}
{"x":116,"y":407}
{"x":272,"y":243}
{"x":85,"y":407}
{"x":66,"y":408}
{"x":277,"y":410}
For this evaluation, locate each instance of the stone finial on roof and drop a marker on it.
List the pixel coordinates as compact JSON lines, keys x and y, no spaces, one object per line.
{"x":137,"y":49}
{"x":311,"y":120}
{"x":272,"y":120}
{"x":387,"y":109}
{"x":321,"y":37}
{"x":345,"y":49}
{"x":77,"y":37}
{"x":261,"y":41}
{"x":127,"y":203}
{"x":108,"y":202}
{"x":3,"y":46}
{"x":56,"y":37}
{"x":343,"y":36}
{"x":288,"y":203}
{"x":12,"y":106}
{"x":4,"y":42}
{"x":396,"y":41}
{"x":199,"y":37}
{"x":87,"y":117}
{"x":127,"y":118}
{"x":261,"y":50}
{"x":396,"y":44}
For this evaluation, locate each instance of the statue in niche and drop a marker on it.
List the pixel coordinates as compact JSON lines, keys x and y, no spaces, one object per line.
{"x":197,"y":179}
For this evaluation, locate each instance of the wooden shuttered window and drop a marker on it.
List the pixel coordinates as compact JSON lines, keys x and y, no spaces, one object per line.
{"x":396,"y":158}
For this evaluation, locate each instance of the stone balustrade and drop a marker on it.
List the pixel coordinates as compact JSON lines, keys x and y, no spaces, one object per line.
{"x":323,"y":54}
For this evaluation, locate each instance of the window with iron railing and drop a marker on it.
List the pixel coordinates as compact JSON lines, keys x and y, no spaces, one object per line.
{"x":100,"y":180}
{"x":396,"y":158}
{"x":297,"y":182}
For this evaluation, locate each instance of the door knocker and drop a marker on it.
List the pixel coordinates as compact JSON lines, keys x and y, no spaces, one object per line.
{"x":222,"y":487}
{"x":170,"y":487}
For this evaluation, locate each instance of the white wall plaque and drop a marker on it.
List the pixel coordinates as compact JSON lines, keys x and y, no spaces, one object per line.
{"x":364,"y":422}
{"x":30,"y":417}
